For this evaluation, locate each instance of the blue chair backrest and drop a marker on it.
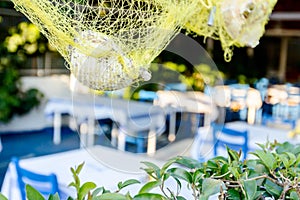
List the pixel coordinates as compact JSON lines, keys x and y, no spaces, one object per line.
{"x":234,"y":139}
{"x":45,"y":184}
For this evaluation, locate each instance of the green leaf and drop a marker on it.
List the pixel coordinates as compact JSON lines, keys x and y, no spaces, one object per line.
{"x":235,"y":172}
{"x":285,"y":160}
{"x":168,"y":164}
{"x":149,"y":186}
{"x":127,"y":183}
{"x":153,"y":167}
{"x":32,"y":193}
{"x":285,"y":147}
{"x":149,"y":196}
{"x":197,"y":175}
{"x":233,"y":155}
{"x":181,"y":174}
{"x":273,"y":188}
{"x":292,"y":157}
{"x":210,"y":187}
{"x":85,"y":188}
{"x":297,"y":162}
{"x":294,"y":195}
{"x":250,"y":188}
{"x":98,"y":191}
{"x":262,"y":146}
{"x":189,"y":162}
{"x":180,"y":198}
{"x":73,"y":171}
{"x":2,"y":197}
{"x":224,"y":169}
{"x":165,"y":176}
{"x":79,"y":168}
{"x":233,"y":194}
{"x":212,"y":165}
{"x":267,"y":158}
{"x":178,"y":183}
{"x":54,"y":197}
{"x":111,"y":196}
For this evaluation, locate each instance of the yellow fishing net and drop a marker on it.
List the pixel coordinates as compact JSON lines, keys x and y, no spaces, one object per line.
{"x":108,"y":44}
{"x":235,"y":23}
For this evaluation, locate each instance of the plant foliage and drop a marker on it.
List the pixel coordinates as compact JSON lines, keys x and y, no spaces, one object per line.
{"x":13,"y":54}
{"x":273,"y":174}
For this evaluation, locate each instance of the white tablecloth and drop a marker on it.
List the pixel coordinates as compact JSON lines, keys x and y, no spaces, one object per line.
{"x":132,"y":114}
{"x":103,"y":166}
{"x":131,"y":117}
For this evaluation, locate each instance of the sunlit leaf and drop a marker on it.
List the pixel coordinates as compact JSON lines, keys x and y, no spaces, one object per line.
{"x":149,"y":186}
{"x":85,"y":188}
{"x":2,"y":197}
{"x":32,"y":193}
{"x":153,"y":167}
{"x":234,"y":171}
{"x":79,"y":168}
{"x":149,"y":196}
{"x":169,"y":163}
{"x":267,"y":158}
{"x":54,"y":197}
{"x":127,"y":183}
{"x":111,"y":196}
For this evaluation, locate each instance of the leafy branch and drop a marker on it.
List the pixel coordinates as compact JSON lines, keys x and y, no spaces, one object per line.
{"x":273,"y":174}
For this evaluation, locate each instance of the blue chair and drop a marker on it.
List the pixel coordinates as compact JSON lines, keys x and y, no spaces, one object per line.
{"x":45,"y":184}
{"x":236,"y":140}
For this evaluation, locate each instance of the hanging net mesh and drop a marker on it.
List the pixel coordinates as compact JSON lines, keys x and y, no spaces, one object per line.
{"x":108,"y":44}
{"x":236,"y":23}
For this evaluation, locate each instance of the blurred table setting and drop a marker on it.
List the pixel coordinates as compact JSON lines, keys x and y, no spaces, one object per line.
{"x":129,"y":117}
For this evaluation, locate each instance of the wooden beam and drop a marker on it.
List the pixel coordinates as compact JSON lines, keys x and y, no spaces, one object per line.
{"x":279,"y":32}
{"x":285,"y":16}
{"x":283,"y":58}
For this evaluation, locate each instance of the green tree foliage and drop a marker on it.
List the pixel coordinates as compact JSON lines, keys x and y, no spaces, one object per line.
{"x":22,"y":42}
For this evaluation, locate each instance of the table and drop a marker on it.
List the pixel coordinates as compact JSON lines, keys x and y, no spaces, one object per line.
{"x":103,"y":166}
{"x":190,"y":102}
{"x":130,"y":117}
{"x":203,"y":145}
